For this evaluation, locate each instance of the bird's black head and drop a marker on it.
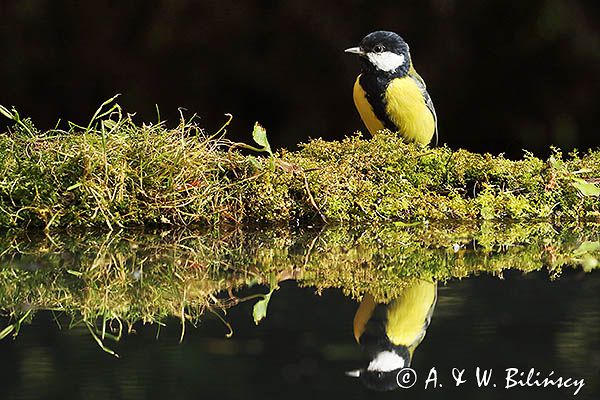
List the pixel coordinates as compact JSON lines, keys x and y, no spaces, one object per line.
{"x":383,"y":52}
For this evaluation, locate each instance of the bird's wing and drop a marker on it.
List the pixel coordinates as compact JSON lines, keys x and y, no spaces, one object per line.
{"x":414,"y":75}
{"x":363,"y":315}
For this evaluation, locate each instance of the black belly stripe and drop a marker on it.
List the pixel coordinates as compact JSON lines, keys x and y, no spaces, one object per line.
{"x":374,"y":88}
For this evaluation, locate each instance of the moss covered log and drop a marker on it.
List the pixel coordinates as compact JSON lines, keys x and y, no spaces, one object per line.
{"x":117,"y":173}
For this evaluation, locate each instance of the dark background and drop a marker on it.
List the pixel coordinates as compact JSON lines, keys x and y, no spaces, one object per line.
{"x":504,"y":75}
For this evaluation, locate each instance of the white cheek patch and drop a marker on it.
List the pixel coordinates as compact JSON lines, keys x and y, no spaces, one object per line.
{"x":386,"y":61}
{"x":386,"y":361}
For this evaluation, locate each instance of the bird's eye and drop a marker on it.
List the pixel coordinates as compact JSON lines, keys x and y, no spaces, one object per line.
{"x":379,"y":48}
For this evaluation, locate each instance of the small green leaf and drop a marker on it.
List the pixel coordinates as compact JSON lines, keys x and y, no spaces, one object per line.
{"x":259,"y":134}
{"x":589,"y":263}
{"x":586,"y":247}
{"x":260,"y":308}
{"x":255,"y":163}
{"x":6,"y":331}
{"x":6,"y":112}
{"x":586,"y":188}
{"x":109,"y":124}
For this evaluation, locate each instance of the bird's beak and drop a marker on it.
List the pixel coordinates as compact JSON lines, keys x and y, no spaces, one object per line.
{"x":354,"y":373}
{"x":355,"y":50}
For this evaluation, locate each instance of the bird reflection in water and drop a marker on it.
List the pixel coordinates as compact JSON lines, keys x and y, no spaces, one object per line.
{"x":390,"y":333}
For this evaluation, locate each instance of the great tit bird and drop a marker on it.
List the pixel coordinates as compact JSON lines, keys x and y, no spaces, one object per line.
{"x":390,"y":333}
{"x":389,"y":93}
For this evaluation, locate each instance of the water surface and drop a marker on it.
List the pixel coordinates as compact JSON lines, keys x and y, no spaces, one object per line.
{"x":507,"y":297}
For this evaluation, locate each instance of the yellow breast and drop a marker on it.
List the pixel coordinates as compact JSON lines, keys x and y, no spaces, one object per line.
{"x":405,"y":107}
{"x":365,"y":110}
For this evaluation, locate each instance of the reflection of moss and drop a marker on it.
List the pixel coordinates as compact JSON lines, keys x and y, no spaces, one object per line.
{"x":116,"y":173}
{"x":383,"y":260}
{"x":128,"y":277}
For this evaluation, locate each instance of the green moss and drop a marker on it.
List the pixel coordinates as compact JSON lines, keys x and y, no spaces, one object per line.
{"x":119,"y":174}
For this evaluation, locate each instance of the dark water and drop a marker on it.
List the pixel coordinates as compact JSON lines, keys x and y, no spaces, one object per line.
{"x":304,"y":346}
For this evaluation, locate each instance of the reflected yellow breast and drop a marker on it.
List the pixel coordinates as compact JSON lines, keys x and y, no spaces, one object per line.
{"x":407,"y":315}
{"x":365,"y":110}
{"x":405,"y":107}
